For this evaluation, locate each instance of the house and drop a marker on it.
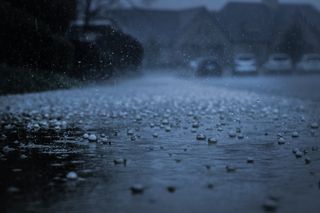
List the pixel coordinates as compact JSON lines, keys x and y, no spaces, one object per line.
{"x":260,"y":27}
{"x":303,"y":16}
{"x":173,"y":37}
{"x":248,"y":26}
{"x":203,"y":36}
{"x":169,"y":36}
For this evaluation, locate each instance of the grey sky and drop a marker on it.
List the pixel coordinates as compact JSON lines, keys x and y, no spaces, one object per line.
{"x":216,"y":4}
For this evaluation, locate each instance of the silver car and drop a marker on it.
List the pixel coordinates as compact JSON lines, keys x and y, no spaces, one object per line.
{"x":278,"y":63}
{"x":309,"y":63}
{"x":245,"y":64}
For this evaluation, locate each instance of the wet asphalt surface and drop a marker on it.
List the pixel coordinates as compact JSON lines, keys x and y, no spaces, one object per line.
{"x":164,"y":144}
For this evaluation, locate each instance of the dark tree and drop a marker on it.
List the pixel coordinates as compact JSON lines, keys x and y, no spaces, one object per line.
{"x":56,"y":14}
{"x":88,"y":9}
{"x":32,"y":34}
{"x":294,"y":43}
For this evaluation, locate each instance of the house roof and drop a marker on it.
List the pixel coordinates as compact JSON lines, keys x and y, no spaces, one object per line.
{"x":161,"y":25}
{"x":237,"y":22}
{"x":256,"y":22}
{"x":203,"y":30}
{"x":246,"y":22}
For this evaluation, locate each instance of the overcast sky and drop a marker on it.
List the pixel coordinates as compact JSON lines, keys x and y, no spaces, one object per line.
{"x":216,"y":4}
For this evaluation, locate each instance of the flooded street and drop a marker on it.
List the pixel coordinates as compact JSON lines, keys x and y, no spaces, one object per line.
{"x":164,"y":144}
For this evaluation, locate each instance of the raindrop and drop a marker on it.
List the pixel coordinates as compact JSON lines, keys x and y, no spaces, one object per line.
{"x":85,"y":136}
{"x":13,"y":189}
{"x":177,"y":160}
{"x":241,"y":136}
{"x":298,"y":154}
{"x":295,"y":134}
{"x":72,"y":176}
{"x":210,"y":186}
{"x":212,"y":141}
{"x":201,"y":137}
{"x":230,"y":168}
{"x":250,"y":160}
{"x":307,"y":160}
{"x":314,"y":125}
{"x":232,"y":134}
{"x":165,"y":122}
{"x":92,"y":137}
{"x":130,"y":132}
{"x":138,"y":118}
{"x":105,"y":140}
{"x":120,"y":161}
{"x":171,"y":189}
{"x":195,"y":125}
{"x":270,"y":205}
{"x":281,"y":141}
{"x":137,"y":189}
{"x":23,"y":156}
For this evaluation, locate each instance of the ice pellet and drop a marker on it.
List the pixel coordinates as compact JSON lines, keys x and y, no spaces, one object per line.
{"x":72,"y":176}
{"x":195,"y":125}
{"x":295,"y":134}
{"x":201,"y":137}
{"x":314,"y":125}
{"x":250,"y":160}
{"x":120,"y":161}
{"x":165,"y":122}
{"x":85,"y":136}
{"x":230,"y":168}
{"x":130,"y":132}
{"x":171,"y":189}
{"x":281,"y":141}
{"x":270,"y":205}
{"x":307,"y":160}
{"x":92,"y":137}
{"x":232,"y":134}
{"x":137,"y":189}
{"x":212,"y":141}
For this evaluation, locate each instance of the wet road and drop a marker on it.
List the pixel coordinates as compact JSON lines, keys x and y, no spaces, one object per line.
{"x":164,"y":144}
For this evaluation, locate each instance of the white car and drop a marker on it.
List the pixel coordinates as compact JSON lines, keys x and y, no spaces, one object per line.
{"x":193,"y":64}
{"x":278,"y":63}
{"x":309,"y":63}
{"x":245,"y":64}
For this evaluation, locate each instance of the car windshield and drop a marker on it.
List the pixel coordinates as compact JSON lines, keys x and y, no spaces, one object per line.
{"x":160,"y":106}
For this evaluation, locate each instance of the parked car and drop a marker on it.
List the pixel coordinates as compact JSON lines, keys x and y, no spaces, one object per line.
{"x":278,"y":63}
{"x":309,"y":63}
{"x":245,"y":64}
{"x":193,"y":64}
{"x":208,"y":67}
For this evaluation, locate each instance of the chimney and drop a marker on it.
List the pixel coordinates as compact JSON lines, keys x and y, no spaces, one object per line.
{"x":273,"y":4}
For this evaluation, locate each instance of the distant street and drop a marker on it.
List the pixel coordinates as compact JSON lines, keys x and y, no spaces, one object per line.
{"x":161,"y":143}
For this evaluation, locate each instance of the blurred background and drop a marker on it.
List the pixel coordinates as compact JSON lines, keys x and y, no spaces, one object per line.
{"x":60,"y":44}
{"x":151,"y":101}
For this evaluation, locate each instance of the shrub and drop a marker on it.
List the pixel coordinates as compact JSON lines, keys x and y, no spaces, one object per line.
{"x":27,"y":41}
{"x":120,"y":50}
{"x":19,"y":80}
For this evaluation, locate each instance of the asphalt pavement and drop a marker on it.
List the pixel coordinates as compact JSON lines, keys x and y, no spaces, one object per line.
{"x":161,"y":143}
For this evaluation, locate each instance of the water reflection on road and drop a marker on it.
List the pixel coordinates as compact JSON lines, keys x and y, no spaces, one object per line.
{"x":152,"y":134}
